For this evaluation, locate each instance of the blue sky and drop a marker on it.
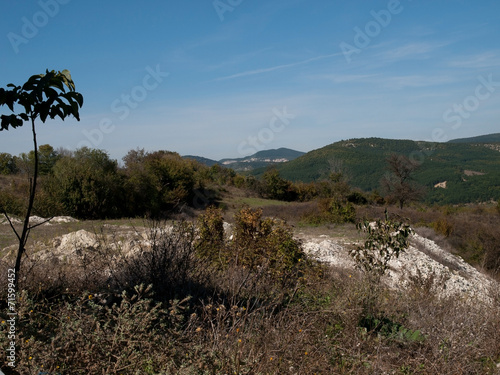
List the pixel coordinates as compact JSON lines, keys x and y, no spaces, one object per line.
{"x":227,"y":78}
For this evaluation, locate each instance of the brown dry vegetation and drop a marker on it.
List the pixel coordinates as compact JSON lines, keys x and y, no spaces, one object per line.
{"x":235,"y":317}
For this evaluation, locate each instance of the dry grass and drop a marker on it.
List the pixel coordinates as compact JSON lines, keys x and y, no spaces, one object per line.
{"x":76,"y":319}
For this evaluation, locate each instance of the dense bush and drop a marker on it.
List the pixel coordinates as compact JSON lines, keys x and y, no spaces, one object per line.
{"x":11,"y":204}
{"x":167,"y":262}
{"x":331,"y":210}
{"x":276,"y":187}
{"x":7,"y":164}
{"x":211,"y":243}
{"x":86,"y":185}
{"x":260,"y":245}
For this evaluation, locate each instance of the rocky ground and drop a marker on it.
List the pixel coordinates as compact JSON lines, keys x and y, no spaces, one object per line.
{"x":424,"y":260}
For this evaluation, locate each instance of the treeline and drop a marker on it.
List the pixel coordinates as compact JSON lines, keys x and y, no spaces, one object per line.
{"x":88,"y":184}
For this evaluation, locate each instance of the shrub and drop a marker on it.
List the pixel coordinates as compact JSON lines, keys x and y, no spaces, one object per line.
{"x":166,"y":261}
{"x":357,"y":198}
{"x":259,"y":245}
{"x":276,"y":187}
{"x":386,"y":240}
{"x":331,"y":210}
{"x":11,"y":204}
{"x":157,"y":182}
{"x":443,"y":226}
{"x":211,"y":242}
{"x":86,"y":184}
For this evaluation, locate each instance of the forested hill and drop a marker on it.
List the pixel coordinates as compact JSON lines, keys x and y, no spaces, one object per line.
{"x":488,"y":138}
{"x":258,"y":160}
{"x":471,"y":171}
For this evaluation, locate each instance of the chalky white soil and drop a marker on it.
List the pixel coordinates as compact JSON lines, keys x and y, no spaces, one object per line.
{"x":423,"y":260}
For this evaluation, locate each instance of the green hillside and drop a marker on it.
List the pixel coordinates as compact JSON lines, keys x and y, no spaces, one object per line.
{"x":202,"y":160}
{"x":471,"y":171}
{"x":282,"y":152}
{"x":488,"y":138}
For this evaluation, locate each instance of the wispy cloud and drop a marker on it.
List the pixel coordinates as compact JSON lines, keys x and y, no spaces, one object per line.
{"x":400,"y":82}
{"x":417,"y":50}
{"x":238,"y":59}
{"x":276,"y":67}
{"x":481,"y":60}
{"x":345,"y":78}
{"x":390,"y":81}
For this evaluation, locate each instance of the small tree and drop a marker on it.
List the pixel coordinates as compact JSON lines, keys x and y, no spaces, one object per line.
{"x":86,"y":185}
{"x":276,"y":187}
{"x":7,"y":164}
{"x":385,"y":240}
{"x":44,"y":95}
{"x":398,"y":182}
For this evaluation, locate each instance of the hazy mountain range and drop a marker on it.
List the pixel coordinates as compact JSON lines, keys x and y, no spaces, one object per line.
{"x":458,"y":171}
{"x":257,"y":160}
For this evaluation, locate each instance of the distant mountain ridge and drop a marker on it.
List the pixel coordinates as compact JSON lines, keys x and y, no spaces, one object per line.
{"x":471,"y":170}
{"x":202,"y":160}
{"x":459,"y":171}
{"x":258,"y":160}
{"x":488,"y":138}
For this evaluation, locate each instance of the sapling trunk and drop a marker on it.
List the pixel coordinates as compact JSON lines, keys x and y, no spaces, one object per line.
{"x":23,"y":239}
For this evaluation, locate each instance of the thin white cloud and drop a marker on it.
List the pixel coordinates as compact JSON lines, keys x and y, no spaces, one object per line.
{"x":390,"y":81}
{"x":481,"y":60}
{"x":277,"y":67}
{"x":238,"y":59}
{"x":400,"y":82}
{"x":344,"y":78}
{"x":413,"y":50}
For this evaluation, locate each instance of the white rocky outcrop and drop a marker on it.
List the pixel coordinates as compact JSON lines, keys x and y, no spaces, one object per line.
{"x":36,"y":220}
{"x":13,"y":220}
{"x":424,"y":259}
{"x":80,"y":240}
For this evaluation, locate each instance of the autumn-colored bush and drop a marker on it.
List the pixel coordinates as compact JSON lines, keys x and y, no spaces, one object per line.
{"x":211,"y":243}
{"x":443,"y":226}
{"x":259,"y":245}
{"x":331,"y":210}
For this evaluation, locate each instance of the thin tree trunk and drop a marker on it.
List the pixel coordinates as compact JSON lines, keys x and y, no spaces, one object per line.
{"x":26,"y":228}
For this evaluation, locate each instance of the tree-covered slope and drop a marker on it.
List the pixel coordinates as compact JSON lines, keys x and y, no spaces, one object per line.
{"x":471,"y":171}
{"x":488,"y":138}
